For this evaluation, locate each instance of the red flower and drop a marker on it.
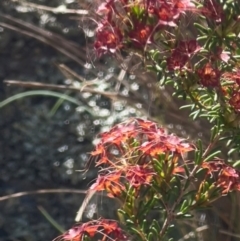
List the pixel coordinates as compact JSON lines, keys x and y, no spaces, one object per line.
{"x":167,"y":14}
{"x":108,"y":39}
{"x":233,"y":76}
{"x":235,"y":101}
{"x":153,"y":148}
{"x":141,"y":34}
{"x":165,"y":144}
{"x":178,"y":170}
{"x":223,"y":55}
{"x":184,"y":5}
{"x":100,"y":155}
{"x":177,"y":60}
{"x":188,"y":47}
{"x":107,"y":229}
{"x":106,"y":9}
{"x":176,"y":144}
{"x":228,"y":178}
{"x":139,"y":175}
{"x":112,"y":229}
{"x":147,"y":125}
{"x":100,"y":150}
{"x":110,"y":183}
{"x":142,"y":130}
{"x":168,"y":11}
{"x":77,"y":233}
{"x":213,"y":166}
{"x":209,"y":76}
{"x":182,"y":53}
{"x":118,"y":134}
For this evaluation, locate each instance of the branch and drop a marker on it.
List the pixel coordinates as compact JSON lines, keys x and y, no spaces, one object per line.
{"x":41,"y":191}
{"x":66,"y":47}
{"x":36,"y":85}
{"x":60,"y":9}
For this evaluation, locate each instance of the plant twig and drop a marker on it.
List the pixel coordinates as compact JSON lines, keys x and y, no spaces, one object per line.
{"x":42,"y":38}
{"x":34,"y":85}
{"x":60,"y":9}
{"x":41,"y":191}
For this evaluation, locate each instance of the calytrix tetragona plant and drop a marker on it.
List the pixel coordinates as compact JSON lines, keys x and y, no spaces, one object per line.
{"x":155,"y":181}
{"x":156,"y":177}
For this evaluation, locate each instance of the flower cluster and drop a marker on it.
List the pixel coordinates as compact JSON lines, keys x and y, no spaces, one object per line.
{"x":182,"y":54}
{"x":232,"y":89}
{"x":129,"y":153}
{"x":152,"y":29}
{"x":133,"y":24}
{"x":227,"y":178}
{"x":104,"y":228}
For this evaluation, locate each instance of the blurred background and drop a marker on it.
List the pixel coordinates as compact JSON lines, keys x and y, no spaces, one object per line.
{"x":44,"y":138}
{"x":48,"y":130}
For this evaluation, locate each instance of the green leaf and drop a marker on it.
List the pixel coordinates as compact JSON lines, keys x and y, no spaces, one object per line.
{"x":137,"y":232}
{"x":173,"y":194}
{"x":51,"y":220}
{"x":144,"y":225}
{"x":203,"y":37}
{"x":198,"y":154}
{"x":144,"y":208}
{"x":195,"y":114}
{"x":205,"y":187}
{"x":162,"y":78}
{"x":124,"y":215}
{"x":188,"y":215}
{"x":232,"y":150}
{"x":39,"y":92}
{"x":236,"y":164}
{"x":163,"y":64}
{"x":155,"y":55}
{"x":202,"y":28}
{"x":180,"y":215}
{"x":186,"y":106}
{"x":190,"y":195}
{"x":212,"y":155}
{"x":184,"y":206}
{"x":151,"y":237}
{"x":154,"y":230}
{"x":214,"y":132}
{"x":156,"y":225}
{"x":129,"y":221}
